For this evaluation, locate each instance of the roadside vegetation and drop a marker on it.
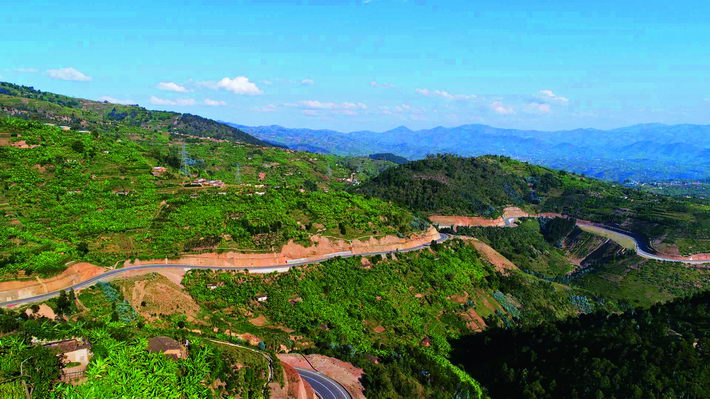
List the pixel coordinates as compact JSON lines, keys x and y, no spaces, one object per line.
{"x":483,"y":186}
{"x":121,"y":182}
{"x":401,"y":310}
{"x":92,"y":196}
{"x":556,"y":250}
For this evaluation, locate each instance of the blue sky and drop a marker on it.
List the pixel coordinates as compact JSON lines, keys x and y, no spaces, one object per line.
{"x":352,"y":65}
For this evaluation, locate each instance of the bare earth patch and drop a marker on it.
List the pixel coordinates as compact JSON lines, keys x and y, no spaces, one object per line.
{"x":159,"y":295}
{"x":259,"y":321}
{"x":500,"y":262}
{"x":43,"y":311}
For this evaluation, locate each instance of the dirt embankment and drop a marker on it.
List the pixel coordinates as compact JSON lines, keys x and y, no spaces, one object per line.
{"x":343,"y":372}
{"x":154,"y":295}
{"x":290,"y":253}
{"x":451,"y":221}
{"x":76,"y":273}
{"x":477,"y":221}
{"x":500,"y":262}
{"x":293,"y":252}
{"x":294,"y":387}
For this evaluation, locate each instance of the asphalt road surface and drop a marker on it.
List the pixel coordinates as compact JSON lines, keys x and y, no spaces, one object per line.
{"x":644,"y":249}
{"x":325,"y":387}
{"x":263,"y":269}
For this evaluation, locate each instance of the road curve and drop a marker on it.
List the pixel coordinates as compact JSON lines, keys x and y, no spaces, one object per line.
{"x":263,"y":269}
{"x":325,"y":387}
{"x":642,"y":247}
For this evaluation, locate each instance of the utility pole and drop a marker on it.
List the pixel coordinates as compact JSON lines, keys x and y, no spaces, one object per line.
{"x":237,"y":174}
{"x":184,"y":160}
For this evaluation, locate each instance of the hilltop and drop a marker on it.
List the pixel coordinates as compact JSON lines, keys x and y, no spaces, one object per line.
{"x":483,"y":186}
{"x":648,"y":152}
{"x":80,"y":114}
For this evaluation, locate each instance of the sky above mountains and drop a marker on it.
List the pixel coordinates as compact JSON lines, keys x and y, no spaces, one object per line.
{"x":352,"y":65}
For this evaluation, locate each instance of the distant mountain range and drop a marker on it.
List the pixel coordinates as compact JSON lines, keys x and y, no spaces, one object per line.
{"x":648,"y":152}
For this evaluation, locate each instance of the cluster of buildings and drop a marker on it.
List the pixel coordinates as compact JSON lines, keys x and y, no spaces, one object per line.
{"x":206,"y":183}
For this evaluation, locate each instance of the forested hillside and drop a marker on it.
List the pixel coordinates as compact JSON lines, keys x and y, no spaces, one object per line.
{"x":516,"y":311}
{"x":661,"y":352}
{"x":451,"y":185}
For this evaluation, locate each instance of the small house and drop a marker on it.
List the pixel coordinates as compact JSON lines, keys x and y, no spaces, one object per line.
{"x":158,"y":171}
{"x":75,"y":354}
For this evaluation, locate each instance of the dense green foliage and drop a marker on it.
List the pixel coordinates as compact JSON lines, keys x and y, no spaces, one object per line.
{"x":661,"y":352}
{"x":96,"y":196}
{"x":92,"y":197}
{"x":387,"y":310}
{"x":547,"y":248}
{"x":526,"y":246}
{"x":634,"y":281}
{"x":447,"y":184}
{"x":388,"y":156}
{"x":121,"y":365}
{"x":29,"y":103}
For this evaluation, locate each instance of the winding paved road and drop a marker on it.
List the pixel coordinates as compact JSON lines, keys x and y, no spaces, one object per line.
{"x":263,"y":269}
{"x":325,"y":387}
{"x":642,"y":247}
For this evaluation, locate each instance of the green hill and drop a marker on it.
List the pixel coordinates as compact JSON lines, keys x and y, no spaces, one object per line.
{"x":80,"y":114}
{"x":135,"y":188}
{"x":448,"y":184}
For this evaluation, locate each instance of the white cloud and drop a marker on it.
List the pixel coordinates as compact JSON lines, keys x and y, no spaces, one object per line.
{"x":214,"y":103}
{"x":445,"y":94}
{"x":26,"y":70}
{"x":238,"y":85}
{"x":178,"y":101}
{"x":500,"y":108}
{"x":267,"y":108}
{"x":171,"y":86}
{"x":267,"y":82}
{"x":375,"y":83}
{"x":396,"y":109}
{"x":538,"y":108}
{"x":67,"y":74}
{"x":115,"y":100}
{"x":314,"y":104}
{"x":307,"y":82}
{"x":315,"y":107}
{"x":550,"y":95}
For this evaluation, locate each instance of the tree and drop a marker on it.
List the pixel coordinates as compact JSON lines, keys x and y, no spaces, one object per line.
{"x":82,"y":248}
{"x":63,"y":303}
{"x":78,"y":146}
